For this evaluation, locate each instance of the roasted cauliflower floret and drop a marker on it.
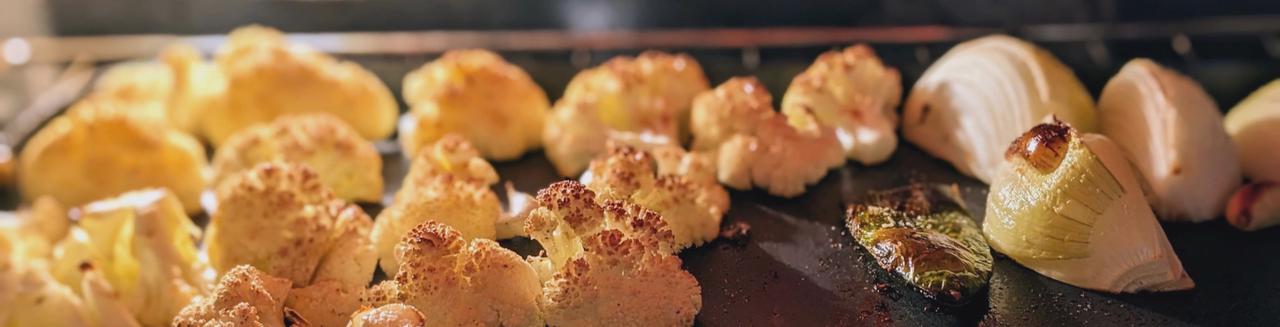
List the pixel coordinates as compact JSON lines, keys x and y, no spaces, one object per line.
{"x":477,"y":94}
{"x":449,"y":183}
{"x":279,"y":217}
{"x":142,"y":86}
{"x":86,"y":155}
{"x":752,"y":145}
{"x":244,"y":296}
{"x":276,"y":217}
{"x":334,"y":292}
{"x":566,"y":212}
{"x":648,"y":95}
{"x":144,"y":247}
{"x":608,"y":264}
{"x":36,"y":229}
{"x":174,"y":90}
{"x":30,"y":296}
{"x":198,"y":87}
{"x":855,"y":93}
{"x":102,"y":302}
{"x":691,"y":203}
{"x":267,"y":77}
{"x":347,"y":163}
{"x":455,"y":282}
{"x":390,"y":315}
{"x":451,"y":156}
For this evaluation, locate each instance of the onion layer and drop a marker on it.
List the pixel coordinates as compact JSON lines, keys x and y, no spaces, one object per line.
{"x":1070,"y":207}
{"x":1254,"y":126}
{"x":1172,"y":131}
{"x":982,"y":94}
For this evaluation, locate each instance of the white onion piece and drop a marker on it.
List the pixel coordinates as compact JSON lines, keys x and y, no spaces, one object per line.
{"x":1082,"y":219}
{"x":1172,"y":131}
{"x":983,"y":94}
{"x":1254,"y":126}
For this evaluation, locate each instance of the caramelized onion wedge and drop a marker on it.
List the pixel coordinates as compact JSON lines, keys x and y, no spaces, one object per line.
{"x":1070,"y":207}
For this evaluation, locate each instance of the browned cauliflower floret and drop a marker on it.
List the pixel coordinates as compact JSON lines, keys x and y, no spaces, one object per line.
{"x":94,"y":153}
{"x":279,"y":217}
{"x":244,"y":296}
{"x":451,"y":156}
{"x":390,"y":315}
{"x":752,"y":144}
{"x":477,"y":94}
{"x":334,"y":292}
{"x":648,"y":95}
{"x":691,"y":203}
{"x":448,"y":182}
{"x":566,"y":212}
{"x":608,"y":265}
{"x":455,"y":282}
{"x":266,"y":77}
{"x":347,"y":163}
{"x":855,"y":93}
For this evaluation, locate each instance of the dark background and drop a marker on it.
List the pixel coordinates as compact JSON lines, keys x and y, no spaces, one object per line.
{"x":96,"y":17}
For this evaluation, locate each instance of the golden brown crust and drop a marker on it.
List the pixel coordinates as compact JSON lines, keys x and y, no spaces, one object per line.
{"x":94,"y":153}
{"x":620,"y":273}
{"x":453,"y":281}
{"x":346,"y":163}
{"x":281,"y":218}
{"x":268,"y":78}
{"x":749,"y":144}
{"x":390,"y":315}
{"x":852,"y":91}
{"x":573,"y":202}
{"x":1044,"y":146}
{"x":244,"y":296}
{"x":649,"y":94}
{"x":476,"y":94}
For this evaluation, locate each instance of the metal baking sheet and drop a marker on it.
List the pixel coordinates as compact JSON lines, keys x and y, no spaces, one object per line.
{"x":800,"y":267}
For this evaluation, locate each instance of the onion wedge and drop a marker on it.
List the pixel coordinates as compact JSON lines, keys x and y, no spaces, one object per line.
{"x":982,"y":94}
{"x":1172,"y":130}
{"x":1254,"y":126}
{"x":1070,"y":207}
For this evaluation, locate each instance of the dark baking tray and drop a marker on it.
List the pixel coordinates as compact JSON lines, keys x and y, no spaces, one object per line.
{"x":800,"y":267}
